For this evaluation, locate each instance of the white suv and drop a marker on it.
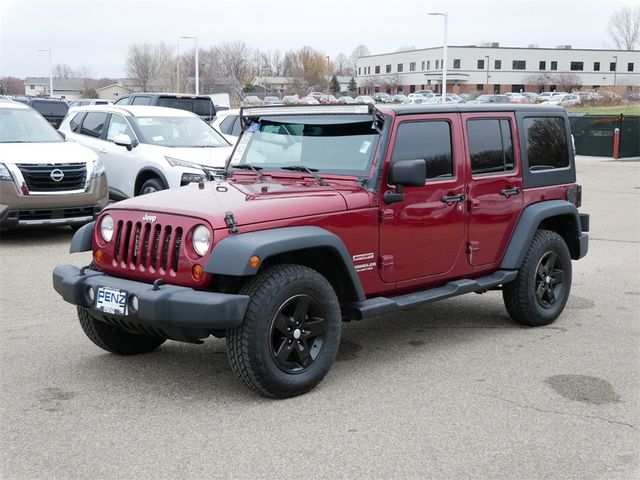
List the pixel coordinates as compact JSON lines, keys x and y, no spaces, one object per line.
{"x":146,"y":149}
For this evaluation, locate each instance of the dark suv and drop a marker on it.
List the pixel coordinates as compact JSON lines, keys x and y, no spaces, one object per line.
{"x":333,"y":213}
{"x":51,"y":109}
{"x":201,"y":105}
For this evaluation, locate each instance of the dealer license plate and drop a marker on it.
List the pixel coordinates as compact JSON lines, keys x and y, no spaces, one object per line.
{"x":111,"y":300}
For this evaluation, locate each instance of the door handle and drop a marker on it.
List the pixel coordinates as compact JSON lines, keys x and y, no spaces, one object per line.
{"x":449,"y":199}
{"x":507,"y":192}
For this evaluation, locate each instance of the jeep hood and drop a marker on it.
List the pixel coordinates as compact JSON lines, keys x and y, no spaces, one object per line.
{"x":249,"y":202}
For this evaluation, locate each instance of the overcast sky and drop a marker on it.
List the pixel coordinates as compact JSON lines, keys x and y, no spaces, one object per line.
{"x":96,"y":33}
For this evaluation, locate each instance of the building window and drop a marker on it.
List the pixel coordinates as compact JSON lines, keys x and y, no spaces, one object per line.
{"x":515,"y":88}
{"x":423,"y":65}
{"x":480,"y":64}
{"x":479,"y":87}
{"x":359,"y":71}
{"x":577,"y":66}
{"x":519,"y":65}
{"x":456,"y":63}
{"x":497,"y":64}
{"x":412,"y":66}
{"x":400,"y":67}
{"x":596,"y":66}
{"x":377,"y":69}
{"x":630,"y":67}
{"x":428,"y":64}
{"x":388,"y":68}
{"x":496,"y":88}
{"x":437,"y":64}
{"x":32,"y":87}
{"x":554,"y":65}
{"x":612,"y":66}
{"x":368,"y":70}
{"x":542,"y":65}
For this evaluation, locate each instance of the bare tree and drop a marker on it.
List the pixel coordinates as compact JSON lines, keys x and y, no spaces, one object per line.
{"x":234,"y":59}
{"x":538,"y":79}
{"x":567,"y":82}
{"x":142,"y":64}
{"x":11,"y":86}
{"x":343,"y":66}
{"x":359,"y":51}
{"x":624,"y":27}
{"x":62,"y":70}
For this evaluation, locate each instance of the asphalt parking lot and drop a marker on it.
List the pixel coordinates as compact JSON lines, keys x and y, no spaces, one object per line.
{"x":449,"y":390}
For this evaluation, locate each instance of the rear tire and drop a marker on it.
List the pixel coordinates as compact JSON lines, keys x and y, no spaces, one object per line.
{"x":539,"y":293}
{"x":115,"y":340}
{"x":290,"y":334}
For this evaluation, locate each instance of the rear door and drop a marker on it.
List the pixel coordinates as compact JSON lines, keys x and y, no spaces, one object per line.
{"x":495,"y":184}
{"x":423,"y":235}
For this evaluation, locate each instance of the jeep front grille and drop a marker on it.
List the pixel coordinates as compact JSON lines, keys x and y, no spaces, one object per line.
{"x":146,"y":246}
{"x":53,"y":177}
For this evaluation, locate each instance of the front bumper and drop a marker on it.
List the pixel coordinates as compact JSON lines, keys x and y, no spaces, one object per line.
{"x":170,"y":310}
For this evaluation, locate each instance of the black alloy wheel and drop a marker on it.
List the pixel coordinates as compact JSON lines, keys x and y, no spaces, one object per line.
{"x":297,"y":334}
{"x":549,"y":277}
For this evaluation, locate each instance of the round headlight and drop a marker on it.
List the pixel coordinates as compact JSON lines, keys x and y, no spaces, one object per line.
{"x":201,"y":240}
{"x":106,"y":228}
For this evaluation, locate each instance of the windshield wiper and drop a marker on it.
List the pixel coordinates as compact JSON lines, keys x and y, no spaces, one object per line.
{"x":248,"y":166}
{"x":310,"y":171}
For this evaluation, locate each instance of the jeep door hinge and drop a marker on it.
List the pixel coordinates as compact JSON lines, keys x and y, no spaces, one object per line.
{"x":472,"y":247}
{"x":386,"y":214}
{"x":385,"y":263}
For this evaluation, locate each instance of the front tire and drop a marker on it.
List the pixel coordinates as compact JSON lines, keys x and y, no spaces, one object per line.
{"x":151,"y":186}
{"x":290,"y":334}
{"x":539,"y":293}
{"x":115,"y":340}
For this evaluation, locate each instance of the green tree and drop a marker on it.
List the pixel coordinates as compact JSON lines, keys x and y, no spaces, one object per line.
{"x":334,"y":86}
{"x":353,"y":86}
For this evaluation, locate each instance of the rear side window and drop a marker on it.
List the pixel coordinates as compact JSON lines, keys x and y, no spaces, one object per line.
{"x":142,"y":101}
{"x":199,"y":106}
{"x":226,"y":126}
{"x":93,"y":124}
{"x":123,"y":101}
{"x":490,"y":146}
{"x":428,"y":140}
{"x":546,"y":143}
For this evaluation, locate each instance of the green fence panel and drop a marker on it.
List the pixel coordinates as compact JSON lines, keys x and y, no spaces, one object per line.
{"x":593,"y":134}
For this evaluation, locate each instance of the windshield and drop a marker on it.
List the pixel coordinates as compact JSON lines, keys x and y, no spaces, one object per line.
{"x":343,"y":147}
{"x":25,"y":126}
{"x":199,"y":106}
{"x":178,"y":132}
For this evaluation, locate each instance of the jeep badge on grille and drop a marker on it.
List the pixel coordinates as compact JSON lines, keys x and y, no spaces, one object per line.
{"x":149,"y":218}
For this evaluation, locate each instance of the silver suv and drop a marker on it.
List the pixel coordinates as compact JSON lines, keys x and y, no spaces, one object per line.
{"x":45,"y":180}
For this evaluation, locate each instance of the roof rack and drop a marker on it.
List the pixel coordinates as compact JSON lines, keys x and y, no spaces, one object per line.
{"x":362,"y":109}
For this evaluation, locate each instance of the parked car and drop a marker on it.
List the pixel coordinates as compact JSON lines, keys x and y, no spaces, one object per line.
{"x":51,"y":109}
{"x":272,"y":101}
{"x":365,"y":99}
{"x":516,"y":98}
{"x":201,"y":105}
{"x":250,"y":100}
{"x":309,"y":101}
{"x":228,"y":124}
{"x":146,"y":149}
{"x":544,"y":96}
{"x":45,"y":180}
{"x":304,"y":234}
{"x":382,"y":97}
{"x":90,"y":101}
{"x":398,"y":98}
{"x":332,"y":99}
{"x":491,"y":99}
{"x":319,"y":96}
{"x":531,"y":96}
{"x":416,"y":98}
{"x":346,"y":99}
{"x":634,"y":97}
{"x":564,"y":100}
{"x":290,"y":99}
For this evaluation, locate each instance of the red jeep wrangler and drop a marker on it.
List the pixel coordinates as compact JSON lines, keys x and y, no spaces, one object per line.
{"x":332,"y":213}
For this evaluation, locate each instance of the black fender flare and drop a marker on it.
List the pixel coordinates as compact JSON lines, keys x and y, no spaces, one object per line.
{"x":157,"y":172}
{"x":527,"y":225}
{"x":82,"y":239}
{"x":231,"y":255}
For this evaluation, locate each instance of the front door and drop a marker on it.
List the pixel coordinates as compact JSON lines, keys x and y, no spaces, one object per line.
{"x":122,"y":164}
{"x":423,"y":235}
{"x":495,"y":185}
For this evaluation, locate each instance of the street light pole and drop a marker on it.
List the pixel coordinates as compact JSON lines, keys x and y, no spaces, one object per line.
{"x":178,"y":66}
{"x":192,"y":37}
{"x":50,"y":70}
{"x":444,"y":56}
{"x":615,"y":69}
{"x":328,"y":79}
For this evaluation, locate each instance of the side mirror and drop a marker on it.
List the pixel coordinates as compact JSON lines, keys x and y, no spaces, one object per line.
{"x":410,"y":173}
{"x":123,"y":141}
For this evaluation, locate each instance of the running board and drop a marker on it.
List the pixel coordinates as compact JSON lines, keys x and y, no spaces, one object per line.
{"x":381,"y":305}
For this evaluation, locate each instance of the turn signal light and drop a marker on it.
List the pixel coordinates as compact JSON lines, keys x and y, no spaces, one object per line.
{"x":197,"y":271}
{"x":254,"y":261}
{"x":97,"y":256}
